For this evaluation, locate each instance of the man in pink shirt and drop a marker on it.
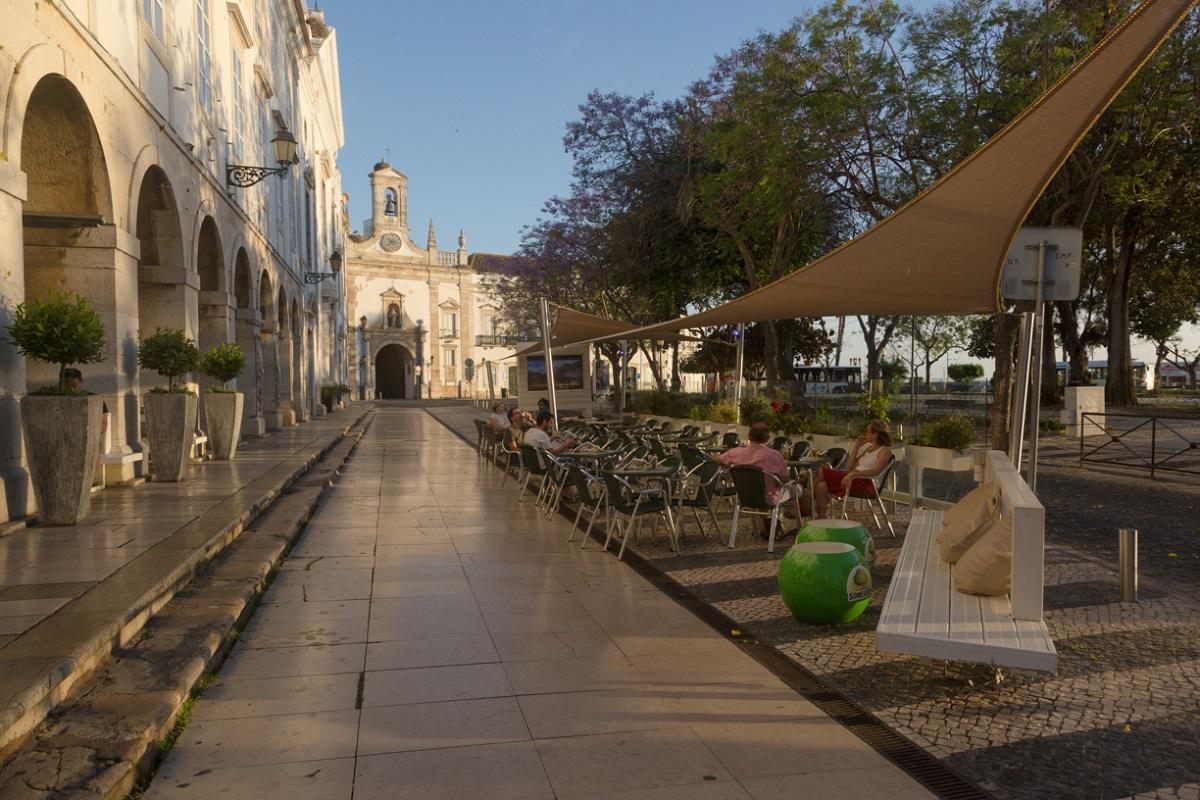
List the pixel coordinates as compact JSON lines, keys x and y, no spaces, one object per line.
{"x":758,"y":455}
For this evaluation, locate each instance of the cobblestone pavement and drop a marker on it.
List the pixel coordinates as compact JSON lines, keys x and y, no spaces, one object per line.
{"x":1122,"y":716}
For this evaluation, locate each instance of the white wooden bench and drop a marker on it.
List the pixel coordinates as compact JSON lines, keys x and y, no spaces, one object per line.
{"x":924,"y":615}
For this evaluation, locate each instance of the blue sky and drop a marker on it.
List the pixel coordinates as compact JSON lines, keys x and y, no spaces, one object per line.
{"x":472,"y":97}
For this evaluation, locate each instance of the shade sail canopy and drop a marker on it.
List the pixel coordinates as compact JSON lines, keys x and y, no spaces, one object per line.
{"x":572,"y":327}
{"x":943,"y":252}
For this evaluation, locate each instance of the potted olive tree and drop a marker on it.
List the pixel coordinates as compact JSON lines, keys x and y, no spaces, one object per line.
{"x":222,"y":407}
{"x":61,"y":423}
{"x":170,"y":412}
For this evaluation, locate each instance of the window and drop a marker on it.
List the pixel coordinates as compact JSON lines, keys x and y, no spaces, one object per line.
{"x":449,"y":365}
{"x":203,"y":56}
{"x":152,"y":12}
{"x":449,"y":323}
{"x":237,"y":135}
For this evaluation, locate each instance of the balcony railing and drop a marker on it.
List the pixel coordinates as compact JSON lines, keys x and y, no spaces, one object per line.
{"x":449,"y":259}
{"x":449,"y":333}
{"x":495,"y":340}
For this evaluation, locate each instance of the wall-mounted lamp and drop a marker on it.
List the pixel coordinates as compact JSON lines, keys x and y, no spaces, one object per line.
{"x":286,"y":147}
{"x":335,"y":264}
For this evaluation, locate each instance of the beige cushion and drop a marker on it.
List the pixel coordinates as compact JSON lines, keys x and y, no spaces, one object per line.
{"x":965,"y":521}
{"x":986,"y":568}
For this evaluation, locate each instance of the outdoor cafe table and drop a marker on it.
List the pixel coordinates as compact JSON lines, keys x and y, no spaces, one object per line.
{"x":809,"y":465}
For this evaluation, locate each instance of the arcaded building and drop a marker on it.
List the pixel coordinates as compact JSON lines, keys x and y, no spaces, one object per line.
{"x":124,"y":129}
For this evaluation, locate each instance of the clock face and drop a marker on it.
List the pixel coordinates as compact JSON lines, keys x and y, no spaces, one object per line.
{"x":390,"y":242}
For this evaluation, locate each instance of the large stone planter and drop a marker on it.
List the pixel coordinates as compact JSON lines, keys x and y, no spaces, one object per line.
{"x":62,"y":439}
{"x":223,"y":413}
{"x":170,"y":424}
{"x":920,"y":458}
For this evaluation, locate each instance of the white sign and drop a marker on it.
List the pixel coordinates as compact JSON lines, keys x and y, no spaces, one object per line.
{"x":1063,"y":254}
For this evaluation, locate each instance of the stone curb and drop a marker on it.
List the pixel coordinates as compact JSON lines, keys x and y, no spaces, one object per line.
{"x":50,"y":679}
{"x":106,"y":738}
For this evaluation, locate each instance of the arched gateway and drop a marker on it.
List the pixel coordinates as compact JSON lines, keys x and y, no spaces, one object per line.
{"x":393,"y":372}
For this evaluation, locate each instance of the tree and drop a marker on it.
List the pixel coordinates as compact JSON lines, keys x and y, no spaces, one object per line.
{"x":932,"y":338}
{"x":61,"y":330}
{"x":170,"y":353}
{"x":964,"y":373}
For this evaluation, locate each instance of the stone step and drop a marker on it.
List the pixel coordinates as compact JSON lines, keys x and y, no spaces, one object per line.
{"x":41,"y":668}
{"x":104,"y":741}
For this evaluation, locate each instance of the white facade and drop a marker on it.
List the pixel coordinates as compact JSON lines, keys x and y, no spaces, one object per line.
{"x":120,"y":120}
{"x":427,"y":319}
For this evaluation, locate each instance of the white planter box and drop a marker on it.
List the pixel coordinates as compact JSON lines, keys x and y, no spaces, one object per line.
{"x":920,"y":458}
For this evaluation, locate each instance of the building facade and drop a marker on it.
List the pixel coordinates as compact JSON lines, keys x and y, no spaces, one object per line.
{"x":121,"y":123}
{"x":428,"y":321}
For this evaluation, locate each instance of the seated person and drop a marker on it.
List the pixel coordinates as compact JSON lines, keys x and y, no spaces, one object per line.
{"x":539,"y":435}
{"x":868,"y":457}
{"x":513,"y":430}
{"x":498,"y":420}
{"x":757,"y":454}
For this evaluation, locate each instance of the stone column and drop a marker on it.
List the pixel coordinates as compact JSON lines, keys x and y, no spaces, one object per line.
{"x":16,"y":499}
{"x":249,"y":383}
{"x":433,"y":374}
{"x":283,"y":385}
{"x":272,"y":417}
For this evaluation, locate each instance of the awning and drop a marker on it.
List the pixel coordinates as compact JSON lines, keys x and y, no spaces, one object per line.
{"x":943,"y":252}
{"x":572,"y":327}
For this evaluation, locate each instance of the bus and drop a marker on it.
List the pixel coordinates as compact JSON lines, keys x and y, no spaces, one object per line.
{"x":830,"y":380}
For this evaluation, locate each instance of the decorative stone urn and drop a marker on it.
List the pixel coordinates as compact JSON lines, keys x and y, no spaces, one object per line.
{"x":62,"y":439}
{"x":170,"y":424}
{"x":223,"y":412}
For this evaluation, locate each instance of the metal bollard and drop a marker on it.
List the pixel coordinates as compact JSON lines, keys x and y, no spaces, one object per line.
{"x":1127,"y":560}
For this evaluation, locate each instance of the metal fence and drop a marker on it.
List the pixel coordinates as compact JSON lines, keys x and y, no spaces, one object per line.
{"x":1142,"y":441}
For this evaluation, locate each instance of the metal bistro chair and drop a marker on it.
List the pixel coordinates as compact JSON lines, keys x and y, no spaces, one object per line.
{"x":557,"y":475}
{"x":511,"y":458}
{"x":590,"y":493}
{"x":868,"y":489}
{"x":751,"y":486}
{"x":730,"y":439}
{"x":479,"y":426}
{"x":799,"y":450}
{"x":634,"y":502}
{"x":779,"y":443}
{"x":698,"y":490}
{"x":836,"y":456}
{"x":491,"y":441}
{"x":532,"y":464}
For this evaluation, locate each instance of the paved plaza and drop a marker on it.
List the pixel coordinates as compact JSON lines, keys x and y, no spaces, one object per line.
{"x":433,"y":637}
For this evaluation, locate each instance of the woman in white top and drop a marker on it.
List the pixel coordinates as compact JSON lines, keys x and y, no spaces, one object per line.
{"x":869,"y":456}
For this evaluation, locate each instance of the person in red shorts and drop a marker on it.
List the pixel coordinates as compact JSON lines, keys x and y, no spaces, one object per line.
{"x":868,"y":457}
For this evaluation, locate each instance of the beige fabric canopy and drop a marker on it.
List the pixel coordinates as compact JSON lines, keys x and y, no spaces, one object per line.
{"x":572,"y":327}
{"x":943,"y":252}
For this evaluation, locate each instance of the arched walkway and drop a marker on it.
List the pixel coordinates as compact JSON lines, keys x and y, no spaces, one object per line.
{"x":268,"y":337}
{"x":214,"y":310}
{"x":393,"y":372}
{"x":246,"y":334}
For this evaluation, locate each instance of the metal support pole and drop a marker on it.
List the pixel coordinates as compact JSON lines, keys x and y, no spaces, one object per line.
{"x":1128,"y":566}
{"x":487,"y":365}
{"x":1016,"y":432}
{"x":1035,"y":364}
{"x":740,"y":333}
{"x":912,"y":378}
{"x":549,"y":353}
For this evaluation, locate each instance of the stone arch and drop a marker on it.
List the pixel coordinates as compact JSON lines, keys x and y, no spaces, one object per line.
{"x":393,"y":372}
{"x":162,"y":278}
{"x":298,"y":392}
{"x":243,"y":285}
{"x":68,"y":238}
{"x":214,"y":322}
{"x":266,"y":304}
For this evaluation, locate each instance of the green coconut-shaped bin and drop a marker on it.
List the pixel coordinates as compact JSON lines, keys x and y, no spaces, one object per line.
{"x":846,"y":531}
{"x":824,"y":582}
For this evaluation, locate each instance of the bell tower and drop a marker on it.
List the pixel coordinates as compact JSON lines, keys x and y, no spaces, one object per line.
{"x":389,"y":199}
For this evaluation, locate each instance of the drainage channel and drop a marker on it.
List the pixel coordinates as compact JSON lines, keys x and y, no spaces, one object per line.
{"x":914,"y":761}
